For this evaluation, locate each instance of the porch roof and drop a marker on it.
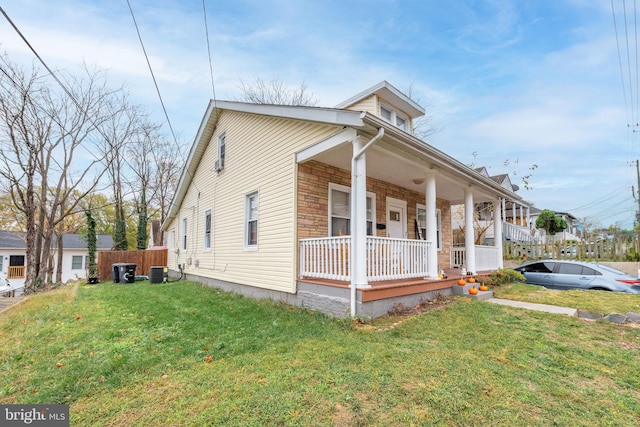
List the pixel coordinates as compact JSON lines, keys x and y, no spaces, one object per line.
{"x":404,"y":160}
{"x":399,"y":158}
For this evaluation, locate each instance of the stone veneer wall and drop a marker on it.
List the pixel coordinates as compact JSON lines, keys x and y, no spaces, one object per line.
{"x":313,"y":204}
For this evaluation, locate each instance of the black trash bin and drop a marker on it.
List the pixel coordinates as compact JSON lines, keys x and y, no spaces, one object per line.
{"x":124,"y":272}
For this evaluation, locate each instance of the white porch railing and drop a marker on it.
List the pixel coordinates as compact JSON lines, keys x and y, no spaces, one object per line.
{"x":517,"y":233}
{"x":391,"y":259}
{"x":487,"y":257}
{"x":325,"y":258}
{"x":387,"y":259}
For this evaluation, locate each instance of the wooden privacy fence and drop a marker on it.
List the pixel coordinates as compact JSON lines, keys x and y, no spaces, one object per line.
{"x":606,"y":250}
{"x":143,"y":260}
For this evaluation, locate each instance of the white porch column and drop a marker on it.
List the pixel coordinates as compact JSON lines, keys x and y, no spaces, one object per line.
{"x":497,"y":229}
{"x":504,"y":209}
{"x":432,"y":223}
{"x":513,"y":208}
{"x":529,"y":216}
{"x":521,"y":216}
{"x":359,"y":215}
{"x":469,"y":232}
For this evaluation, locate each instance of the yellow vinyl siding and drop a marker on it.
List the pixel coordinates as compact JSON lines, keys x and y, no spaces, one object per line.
{"x":260,"y":156}
{"x":369,"y":104}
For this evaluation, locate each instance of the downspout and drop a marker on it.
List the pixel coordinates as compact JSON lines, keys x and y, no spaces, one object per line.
{"x":354,"y":194}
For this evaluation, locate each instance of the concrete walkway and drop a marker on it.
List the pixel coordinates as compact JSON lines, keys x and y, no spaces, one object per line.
{"x":7,"y":303}
{"x":538,"y":307}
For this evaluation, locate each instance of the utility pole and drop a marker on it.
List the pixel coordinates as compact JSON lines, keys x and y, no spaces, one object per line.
{"x":636,"y":197}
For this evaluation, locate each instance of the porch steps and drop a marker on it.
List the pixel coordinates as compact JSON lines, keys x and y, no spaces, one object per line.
{"x":464,"y":290}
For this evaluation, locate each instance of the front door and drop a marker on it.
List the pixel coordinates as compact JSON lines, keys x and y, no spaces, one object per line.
{"x":396,"y":218}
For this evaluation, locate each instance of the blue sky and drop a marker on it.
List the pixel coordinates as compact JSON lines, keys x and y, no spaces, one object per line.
{"x":517,"y":81}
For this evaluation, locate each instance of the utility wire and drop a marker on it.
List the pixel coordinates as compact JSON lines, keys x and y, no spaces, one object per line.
{"x":624,"y":90}
{"x":64,"y":88}
{"x":206,"y":29}
{"x":155,"y":82}
{"x":626,"y":32}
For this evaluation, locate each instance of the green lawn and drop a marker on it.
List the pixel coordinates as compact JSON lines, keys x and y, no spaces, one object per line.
{"x":602,"y":302}
{"x":181,"y":354}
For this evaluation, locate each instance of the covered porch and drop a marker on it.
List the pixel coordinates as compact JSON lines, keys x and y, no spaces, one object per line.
{"x":387,"y":259}
{"x":374,"y":207}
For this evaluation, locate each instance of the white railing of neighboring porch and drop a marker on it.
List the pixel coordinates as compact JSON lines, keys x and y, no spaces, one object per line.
{"x":517,"y":233}
{"x":487,"y":257}
{"x":387,"y":258}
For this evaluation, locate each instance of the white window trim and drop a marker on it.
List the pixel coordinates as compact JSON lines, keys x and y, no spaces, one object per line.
{"x":438,"y":224}
{"x":183,"y":236}
{"x":394,"y":117}
{"x":247,"y":209}
{"x":172,"y":242}
{"x":345,"y":189}
{"x":81,"y":262}
{"x":204,"y":234}
{"x":222,"y":159}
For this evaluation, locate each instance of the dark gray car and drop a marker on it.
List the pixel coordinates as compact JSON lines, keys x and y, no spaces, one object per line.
{"x":578,"y":275}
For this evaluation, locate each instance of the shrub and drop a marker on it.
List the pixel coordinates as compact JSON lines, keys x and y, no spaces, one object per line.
{"x":504,"y":276}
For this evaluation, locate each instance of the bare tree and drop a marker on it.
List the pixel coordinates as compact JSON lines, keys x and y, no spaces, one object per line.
{"x":143,"y":172}
{"x":48,"y":154}
{"x":423,"y":127}
{"x":168,"y":163}
{"x":21,"y":124}
{"x":119,"y":130}
{"x":65,"y":180}
{"x":276,"y":92}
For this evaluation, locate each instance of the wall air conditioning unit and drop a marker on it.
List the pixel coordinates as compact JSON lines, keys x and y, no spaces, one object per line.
{"x":218,"y":166}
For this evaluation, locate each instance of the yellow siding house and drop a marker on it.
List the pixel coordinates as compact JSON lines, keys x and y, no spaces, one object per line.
{"x":339,"y":209}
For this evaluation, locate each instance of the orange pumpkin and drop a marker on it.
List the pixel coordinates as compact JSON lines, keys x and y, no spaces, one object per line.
{"x":473,"y":291}
{"x":461,"y":282}
{"x":472,"y":280}
{"x":484,"y":288}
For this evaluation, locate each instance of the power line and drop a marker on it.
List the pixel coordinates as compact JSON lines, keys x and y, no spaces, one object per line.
{"x":599,"y":201}
{"x":206,"y":29}
{"x":67,"y":92}
{"x":626,"y":32}
{"x":155,"y":82}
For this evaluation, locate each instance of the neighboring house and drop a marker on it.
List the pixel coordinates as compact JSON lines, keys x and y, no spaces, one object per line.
{"x":516,"y":223}
{"x":572,"y":232}
{"x":74,"y":257}
{"x":338,"y":209}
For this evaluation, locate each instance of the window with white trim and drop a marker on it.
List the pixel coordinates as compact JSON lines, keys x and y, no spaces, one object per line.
{"x":76,"y":262}
{"x":222,"y":148}
{"x":394,"y":117}
{"x":251,"y":221}
{"x":184,"y":234}
{"x":207,"y":230}
{"x":172,"y":240}
{"x":422,"y":224}
{"x":340,"y":211}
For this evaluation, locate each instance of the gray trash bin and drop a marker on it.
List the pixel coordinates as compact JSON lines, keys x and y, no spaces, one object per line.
{"x":124,"y":272}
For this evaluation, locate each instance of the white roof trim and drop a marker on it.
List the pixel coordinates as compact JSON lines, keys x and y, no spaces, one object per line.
{"x":315,"y":114}
{"x":348,"y":134}
{"x":384,"y":89}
